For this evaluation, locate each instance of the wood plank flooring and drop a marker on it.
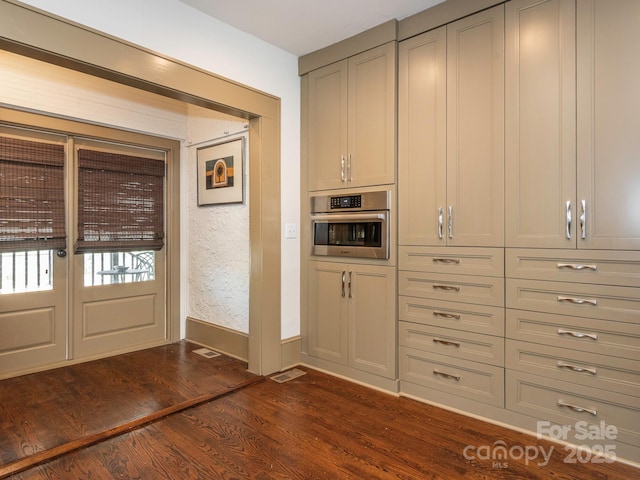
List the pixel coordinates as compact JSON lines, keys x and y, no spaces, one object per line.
{"x":313,"y":427}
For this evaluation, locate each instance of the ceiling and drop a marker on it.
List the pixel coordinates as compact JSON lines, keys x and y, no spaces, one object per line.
{"x":303,"y":26}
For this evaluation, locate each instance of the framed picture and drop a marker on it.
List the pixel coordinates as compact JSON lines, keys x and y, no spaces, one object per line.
{"x":220,"y":173}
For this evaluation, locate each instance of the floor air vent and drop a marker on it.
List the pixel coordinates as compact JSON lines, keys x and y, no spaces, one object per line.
{"x":289,"y":375}
{"x":205,"y":352}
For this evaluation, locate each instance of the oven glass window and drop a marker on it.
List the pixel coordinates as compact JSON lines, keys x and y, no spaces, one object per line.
{"x":357,"y":234}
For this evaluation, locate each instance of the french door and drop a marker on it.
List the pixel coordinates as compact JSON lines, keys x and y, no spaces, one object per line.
{"x":60,"y":305}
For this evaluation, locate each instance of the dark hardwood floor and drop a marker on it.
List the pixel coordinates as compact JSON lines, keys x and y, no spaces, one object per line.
{"x":313,"y":427}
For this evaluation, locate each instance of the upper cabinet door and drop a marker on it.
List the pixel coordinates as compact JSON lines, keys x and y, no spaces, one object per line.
{"x":327,"y":127}
{"x":371,"y":155}
{"x":540,"y":166}
{"x":352,"y":121}
{"x":608,"y":154}
{"x":422,"y":149}
{"x":475,"y":130}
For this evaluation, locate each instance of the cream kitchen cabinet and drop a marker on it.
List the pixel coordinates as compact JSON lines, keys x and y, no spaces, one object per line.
{"x":572,"y":149}
{"x":352,"y":316}
{"x":352,"y":121}
{"x":451,"y":134}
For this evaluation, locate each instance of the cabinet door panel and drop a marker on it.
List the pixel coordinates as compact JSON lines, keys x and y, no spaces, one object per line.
{"x":422,"y":153}
{"x":327,"y":311}
{"x":608,"y":105}
{"x":372,"y":338}
{"x":372,"y":117}
{"x":475,"y":129}
{"x":540,"y":167}
{"x":327,"y":134}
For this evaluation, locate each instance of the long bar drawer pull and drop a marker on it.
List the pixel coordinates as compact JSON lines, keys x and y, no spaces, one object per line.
{"x":576,"y":368}
{"x":577,"y":301}
{"x":592,"y":336}
{"x":446,"y":260}
{"x":576,"y":408}
{"x":574,"y":266}
{"x":447,"y":287}
{"x":446,"y":342}
{"x":447,"y":375}
{"x":455,"y":316}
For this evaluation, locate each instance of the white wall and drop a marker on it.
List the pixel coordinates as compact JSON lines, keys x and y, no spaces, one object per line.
{"x":174,"y":29}
{"x":218,"y":267}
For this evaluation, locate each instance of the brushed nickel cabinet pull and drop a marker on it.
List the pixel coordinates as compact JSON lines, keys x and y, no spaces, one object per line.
{"x":446,"y":287}
{"x":343,"y":177}
{"x":583,"y":220}
{"x":446,"y":260}
{"x":350,"y":295}
{"x":446,"y":342}
{"x":577,"y":301}
{"x":576,"y":408}
{"x":574,"y":266}
{"x":349,"y":169}
{"x":450,"y":222}
{"x":568,"y":221}
{"x":344,"y":278}
{"x":577,"y":368}
{"x":440,"y":223}
{"x":592,"y":336}
{"x":455,"y":316}
{"x":447,"y":375}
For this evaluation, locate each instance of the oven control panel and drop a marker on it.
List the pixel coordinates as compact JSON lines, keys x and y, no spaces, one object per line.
{"x":349,"y":201}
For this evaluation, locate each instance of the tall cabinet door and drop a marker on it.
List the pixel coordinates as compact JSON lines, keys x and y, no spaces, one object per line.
{"x":372,"y":117}
{"x":327,"y":314}
{"x":540,"y":167}
{"x":608,"y":155}
{"x":422,"y":149}
{"x":327,"y":139}
{"x":475,"y":130}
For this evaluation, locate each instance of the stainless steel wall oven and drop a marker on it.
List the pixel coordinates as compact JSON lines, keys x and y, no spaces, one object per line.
{"x":351,"y":225}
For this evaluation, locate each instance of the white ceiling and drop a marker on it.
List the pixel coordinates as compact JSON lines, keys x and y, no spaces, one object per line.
{"x":303,"y":26}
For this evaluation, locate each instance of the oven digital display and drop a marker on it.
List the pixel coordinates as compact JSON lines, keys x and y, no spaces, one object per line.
{"x":350,"y":201}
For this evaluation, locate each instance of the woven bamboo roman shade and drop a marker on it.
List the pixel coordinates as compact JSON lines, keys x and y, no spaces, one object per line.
{"x":32,"y":211}
{"x":120,"y":202}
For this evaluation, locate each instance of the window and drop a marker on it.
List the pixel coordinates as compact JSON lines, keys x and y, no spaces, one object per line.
{"x":120,"y":202}
{"x":32,"y":210}
{"x":118,"y":267}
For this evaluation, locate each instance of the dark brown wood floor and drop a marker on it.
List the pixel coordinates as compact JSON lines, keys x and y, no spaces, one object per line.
{"x":313,"y":427}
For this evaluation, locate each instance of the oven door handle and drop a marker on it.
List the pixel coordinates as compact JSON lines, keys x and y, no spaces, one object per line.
{"x":347,"y":218}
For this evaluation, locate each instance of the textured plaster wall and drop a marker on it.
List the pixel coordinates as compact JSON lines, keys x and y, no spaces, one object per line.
{"x":218,"y":235}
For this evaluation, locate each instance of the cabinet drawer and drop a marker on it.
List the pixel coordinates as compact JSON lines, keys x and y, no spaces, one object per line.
{"x":453,"y":343}
{"x":480,"y":382}
{"x":565,"y":403}
{"x":457,"y":288}
{"x":459,"y":260}
{"x":579,"y":266}
{"x":620,"y":304}
{"x":585,"y":334}
{"x":471,"y":318}
{"x":614,"y":374}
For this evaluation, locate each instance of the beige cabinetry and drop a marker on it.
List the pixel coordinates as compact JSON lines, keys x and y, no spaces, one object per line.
{"x":451,"y":134}
{"x":352,"y":315}
{"x":573,"y":338}
{"x":572,"y":271}
{"x":451,"y":208}
{"x":352,"y":121}
{"x":451,"y":320}
{"x":571,"y":145}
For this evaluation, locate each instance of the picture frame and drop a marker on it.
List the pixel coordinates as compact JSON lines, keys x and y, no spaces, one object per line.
{"x":221,"y":173}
